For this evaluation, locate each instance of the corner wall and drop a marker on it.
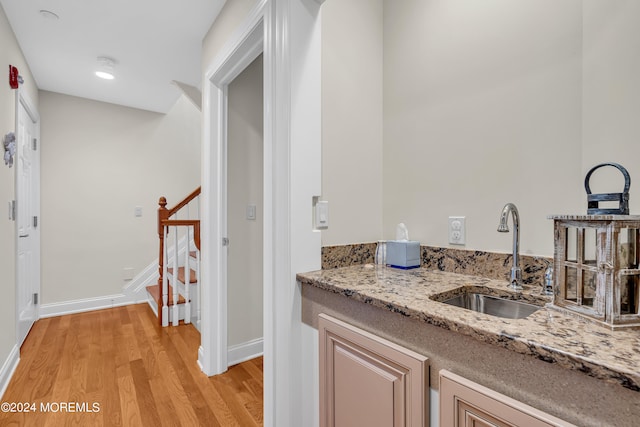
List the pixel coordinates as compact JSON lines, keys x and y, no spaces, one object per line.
{"x":100,"y":161}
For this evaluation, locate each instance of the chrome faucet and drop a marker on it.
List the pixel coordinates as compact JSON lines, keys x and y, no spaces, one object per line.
{"x":516,"y":272}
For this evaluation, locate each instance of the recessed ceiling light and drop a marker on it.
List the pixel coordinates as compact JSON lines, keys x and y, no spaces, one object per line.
{"x":105,"y":68}
{"x":47,"y":14}
{"x":105,"y":75}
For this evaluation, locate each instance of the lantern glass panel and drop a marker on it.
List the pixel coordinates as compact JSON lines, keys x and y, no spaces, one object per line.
{"x":589,"y":287}
{"x":627,"y":248}
{"x":571,"y":282}
{"x":572,"y":244}
{"x":630,"y":294}
{"x":590,"y":246}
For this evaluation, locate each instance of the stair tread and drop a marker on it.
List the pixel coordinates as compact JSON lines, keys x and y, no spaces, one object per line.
{"x":192,"y":274}
{"x":154,"y":291}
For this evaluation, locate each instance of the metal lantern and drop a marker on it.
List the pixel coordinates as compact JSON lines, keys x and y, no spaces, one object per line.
{"x":597,"y":274}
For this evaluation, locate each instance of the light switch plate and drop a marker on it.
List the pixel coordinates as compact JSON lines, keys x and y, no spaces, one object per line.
{"x":251,"y":212}
{"x":12,"y":210}
{"x":322,"y":214}
{"x":127,"y":274}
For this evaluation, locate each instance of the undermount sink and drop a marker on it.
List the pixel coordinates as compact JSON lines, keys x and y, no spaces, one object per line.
{"x":472,"y":299}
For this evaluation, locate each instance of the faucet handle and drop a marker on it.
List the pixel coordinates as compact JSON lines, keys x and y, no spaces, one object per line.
{"x":548,"y":280}
{"x":515,"y":282}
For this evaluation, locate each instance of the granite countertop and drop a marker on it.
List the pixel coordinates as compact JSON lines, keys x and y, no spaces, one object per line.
{"x":547,"y":334}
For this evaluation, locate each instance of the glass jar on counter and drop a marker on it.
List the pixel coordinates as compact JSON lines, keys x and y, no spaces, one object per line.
{"x":381,"y":253}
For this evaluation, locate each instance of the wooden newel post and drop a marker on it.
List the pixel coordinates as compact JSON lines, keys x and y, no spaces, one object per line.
{"x":163,"y":214}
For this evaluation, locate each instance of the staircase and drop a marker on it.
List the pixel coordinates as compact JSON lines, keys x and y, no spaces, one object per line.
{"x":176,"y":295}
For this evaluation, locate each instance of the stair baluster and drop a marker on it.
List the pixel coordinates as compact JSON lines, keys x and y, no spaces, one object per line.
{"x":187,"y":280}
{"x":164,"y":317}
{"x":175,"y":274}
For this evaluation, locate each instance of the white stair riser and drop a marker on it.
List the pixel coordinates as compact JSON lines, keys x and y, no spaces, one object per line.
{"x":154,"y":307}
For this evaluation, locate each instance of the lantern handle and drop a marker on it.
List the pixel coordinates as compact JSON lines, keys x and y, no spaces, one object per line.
{"x":627,"y":178}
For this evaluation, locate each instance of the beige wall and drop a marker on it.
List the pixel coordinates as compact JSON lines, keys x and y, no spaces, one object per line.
{"x":10,"y":53}
{"x":100,"y":161}
{"x":245,"y":165}
{"x":508,"y":101}
{"x":611,"y":90}
{"x":482,"y":106}
{"x":352,"y":46}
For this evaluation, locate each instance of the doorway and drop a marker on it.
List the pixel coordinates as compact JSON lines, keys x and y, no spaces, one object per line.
{"x":245,"y":147}
{"x":27,"y":215}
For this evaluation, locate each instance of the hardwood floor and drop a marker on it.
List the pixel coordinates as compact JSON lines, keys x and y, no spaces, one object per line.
{"x":117,"y":367}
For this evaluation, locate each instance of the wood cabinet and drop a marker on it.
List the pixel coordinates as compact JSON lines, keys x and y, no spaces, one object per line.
{"x":464,"y":403}
{"x":368,"y":381}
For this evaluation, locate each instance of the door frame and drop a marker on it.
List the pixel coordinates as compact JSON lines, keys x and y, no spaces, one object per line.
{"x":23,"y":99}
{"x":213,"y":351}
{"x":287,"y":32}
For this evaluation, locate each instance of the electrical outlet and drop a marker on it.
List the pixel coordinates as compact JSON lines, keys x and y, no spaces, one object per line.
{"x":457,"y":230}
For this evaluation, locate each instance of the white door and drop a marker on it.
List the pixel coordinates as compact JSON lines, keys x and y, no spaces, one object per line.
{"x":27,"y":216}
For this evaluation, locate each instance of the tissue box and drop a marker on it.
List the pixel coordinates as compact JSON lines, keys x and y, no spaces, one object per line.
{"x":403,"y":253}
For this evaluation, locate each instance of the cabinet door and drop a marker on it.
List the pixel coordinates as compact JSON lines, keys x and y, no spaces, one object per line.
{"x":368,"y":381}
{"x":464,"y":403}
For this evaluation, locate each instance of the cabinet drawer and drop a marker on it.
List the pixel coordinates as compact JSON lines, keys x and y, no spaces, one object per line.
{"x":464,"y":403}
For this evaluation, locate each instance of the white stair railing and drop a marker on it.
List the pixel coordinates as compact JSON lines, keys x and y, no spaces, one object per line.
{"x":183,"y":231}
{"x":187,"y":232}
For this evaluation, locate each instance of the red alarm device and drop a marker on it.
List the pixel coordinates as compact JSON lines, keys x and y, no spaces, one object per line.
{"x":13,"y":77}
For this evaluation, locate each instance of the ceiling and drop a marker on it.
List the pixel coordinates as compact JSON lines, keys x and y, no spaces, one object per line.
{"x":152,"y":42}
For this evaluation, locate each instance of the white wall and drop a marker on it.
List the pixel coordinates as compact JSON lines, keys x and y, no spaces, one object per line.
{"x":100,"y":161}
{"x":10,"y":53}
{"x":245,"y":172}
{"x":352,"y":119}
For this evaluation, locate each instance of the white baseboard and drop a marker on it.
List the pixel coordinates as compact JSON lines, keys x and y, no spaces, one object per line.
{"x":246,"y":351}
{"x":8,"y":368}
{"x":86,"y":304}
